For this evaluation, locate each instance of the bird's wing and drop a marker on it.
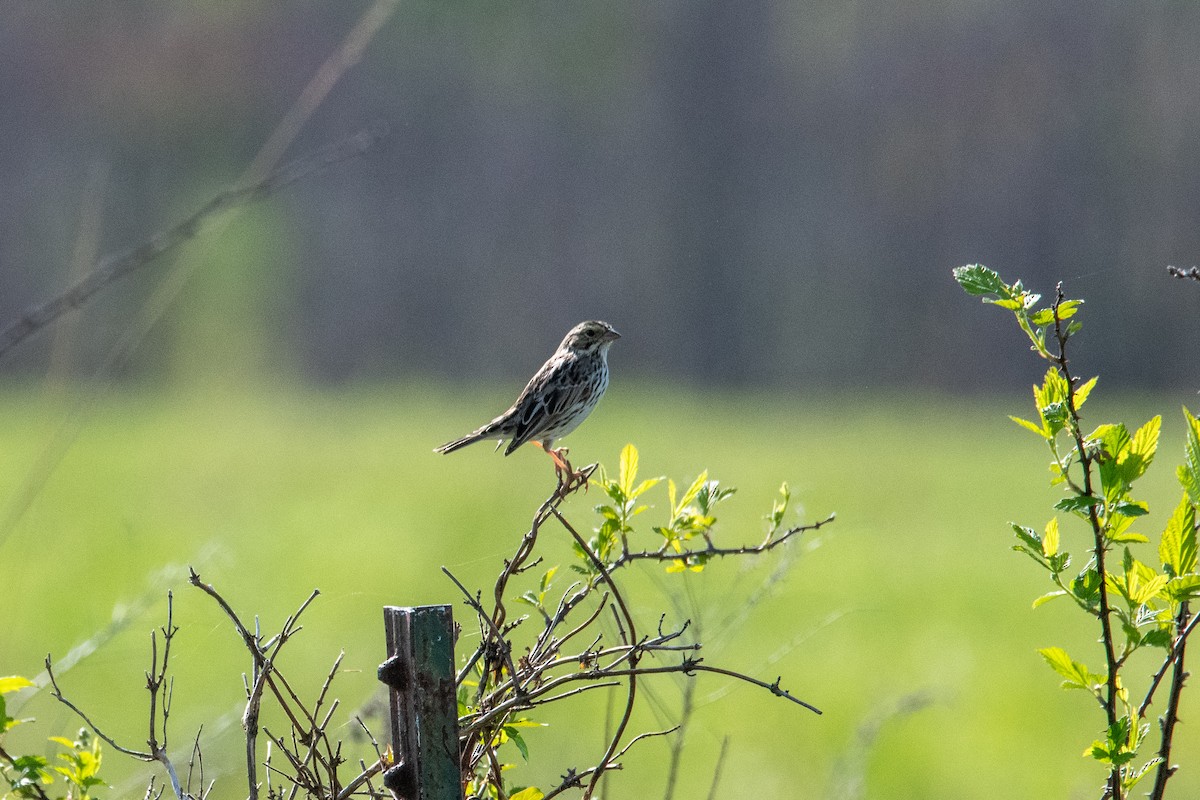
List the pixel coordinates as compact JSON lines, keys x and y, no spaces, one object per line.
{"x":552,"y":390}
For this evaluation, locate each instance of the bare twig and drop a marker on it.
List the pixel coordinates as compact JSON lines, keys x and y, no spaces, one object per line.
{"x":629,"y":632}
{"x":155,"y":683}
{"x":770,"y":543}
{"x":1179,"y":272}
{"x":509,"y":685}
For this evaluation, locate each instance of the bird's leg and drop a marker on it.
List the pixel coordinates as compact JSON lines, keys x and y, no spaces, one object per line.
{"x":563,"y":470}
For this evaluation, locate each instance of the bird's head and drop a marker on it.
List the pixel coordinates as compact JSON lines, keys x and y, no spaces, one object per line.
{"x":592,"y":335}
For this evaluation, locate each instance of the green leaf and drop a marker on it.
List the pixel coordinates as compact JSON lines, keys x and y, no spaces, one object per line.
{"x":1189,"y":471}
{"x":1076,"y":674}
{"x":1052,"y":391}
{"x":1139,"y":585}
{"x":515,"y":737}
{"x":1086,"y":586}
{"x":1142,"y":448}
{"x":13,"y":683}
{"x":1131,"y":778}
{"x":1043,"y":317}
{"x":629,"y":467}
{"x":1136,"y":538}
{"x":1178,"y":547}
{"x":643,"y":486}
{"x":1055,"y":414}
{"x":1081,"y":394}
{"x":1046,"y":598}
{"x":779,"y":507}
{"x":1185,"y":587}
{"x":976,"y":279}
{"x":1050,"y":538}
{"x":692,"y":491}
{"x":1078,"y":502}
{"x":1033,"y":426}
{"x":1068,"y":309}
{"x":1031,"y":543}
{"x":1132,"y":508}
{"x":1159,"y":637}
{"x":528,"y":793}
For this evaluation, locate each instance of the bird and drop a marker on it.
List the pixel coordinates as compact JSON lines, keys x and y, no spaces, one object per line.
{"x":556,"y":400}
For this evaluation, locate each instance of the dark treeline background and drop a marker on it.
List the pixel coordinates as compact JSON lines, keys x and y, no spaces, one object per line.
{"x":753,"y":191}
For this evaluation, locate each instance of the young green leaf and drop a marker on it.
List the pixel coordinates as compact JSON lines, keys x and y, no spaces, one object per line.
{"x":1050,"y":538}
{"x":1046,"y":598}
{"x":1081,"y":394}
{"x":1033,"y":426}
{"x":1076,"y":674}
{"x":1185,"y":587}
{"x":1086,"y":586}
{"x":12,"y":683}
{"x":1128,"y":538}
{"x":528,"y":793}
{"x":1079,"y":503}
{"x":1142,"y":448}
{"x":1131,"y":777}
{"x":515,"y":737}
{"x":692,"y":491}
{"x":1178,"y":547}
{"x":1043,"y":317}
{"x":1189,"y":471}
{"x":629,"y":467}
{"x":1068,"y":308}
{"x":1132,"y":508}
{"x":977,"y":280}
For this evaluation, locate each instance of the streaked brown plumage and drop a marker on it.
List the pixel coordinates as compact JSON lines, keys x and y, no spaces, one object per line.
{"x":557,"y":398}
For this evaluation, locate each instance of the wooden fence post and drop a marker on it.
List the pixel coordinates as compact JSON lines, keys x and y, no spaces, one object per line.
{"x":424,"y":709}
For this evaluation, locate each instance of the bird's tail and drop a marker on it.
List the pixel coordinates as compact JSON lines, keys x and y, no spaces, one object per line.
{"x":471,"y":438}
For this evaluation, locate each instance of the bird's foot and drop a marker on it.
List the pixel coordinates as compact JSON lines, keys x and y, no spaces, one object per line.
{"x":569,"y":478}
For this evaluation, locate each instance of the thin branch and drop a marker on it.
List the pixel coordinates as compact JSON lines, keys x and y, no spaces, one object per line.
{"x":363,"y":777}
{"x":630,"y":631}
{"x":1179,"y":272}
{"x":1176,"y":649}
{"x":56,"y":692}
{"x":711,"y":551}
{"x":1168,"y":721}
{"x":113,"y":267}
{"x":1099,"y":543}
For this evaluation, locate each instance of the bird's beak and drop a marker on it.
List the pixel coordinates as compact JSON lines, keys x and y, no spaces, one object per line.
{"x":610,"y":336}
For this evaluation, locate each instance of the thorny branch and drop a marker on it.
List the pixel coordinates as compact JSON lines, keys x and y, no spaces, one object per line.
{"x":1061,"y":363}
{"x":546,"y":671}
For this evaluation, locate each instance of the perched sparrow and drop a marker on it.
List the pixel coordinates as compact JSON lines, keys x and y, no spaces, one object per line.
{"x":556,"y":399}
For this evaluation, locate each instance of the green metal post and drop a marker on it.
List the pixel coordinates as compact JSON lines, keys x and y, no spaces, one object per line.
{"x":424,"y":710}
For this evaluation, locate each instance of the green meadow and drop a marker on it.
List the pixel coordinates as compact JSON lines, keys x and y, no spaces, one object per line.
{"x":908,"y":621}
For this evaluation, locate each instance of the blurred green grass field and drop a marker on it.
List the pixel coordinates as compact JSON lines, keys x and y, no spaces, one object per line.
{"x":911,"y":600}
